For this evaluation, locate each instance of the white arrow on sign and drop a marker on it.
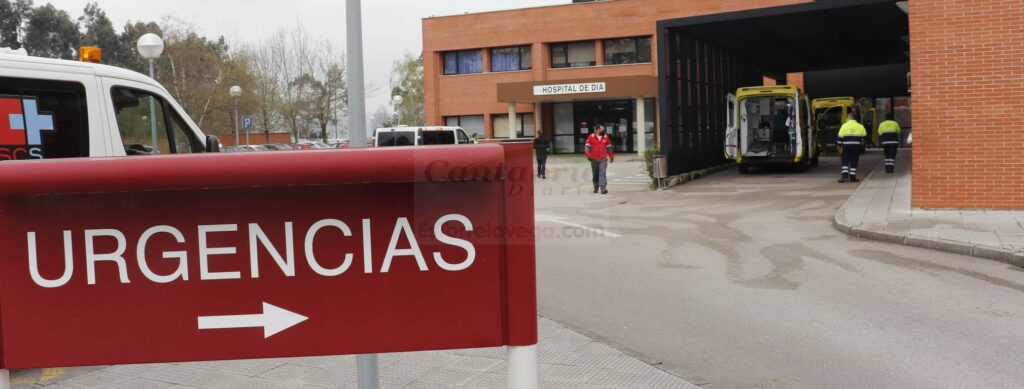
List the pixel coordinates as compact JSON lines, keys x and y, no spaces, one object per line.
{"x":273,"y":320}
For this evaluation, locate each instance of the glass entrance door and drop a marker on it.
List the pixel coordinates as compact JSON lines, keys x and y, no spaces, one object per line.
{"x":617,"y":118}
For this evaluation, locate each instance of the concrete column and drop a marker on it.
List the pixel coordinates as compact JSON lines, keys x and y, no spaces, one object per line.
{"x":641,"y":127}
{"x":657,"y":123}
{"x":512,"y":127}
{"x":538,"y":117}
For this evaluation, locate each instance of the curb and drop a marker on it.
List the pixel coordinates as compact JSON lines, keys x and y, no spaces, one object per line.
{"x":680,"y":179}
{"x":840,"y":223}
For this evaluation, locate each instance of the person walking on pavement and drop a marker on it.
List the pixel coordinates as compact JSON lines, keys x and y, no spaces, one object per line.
{"x":599,"y":152}
{"x":851,"y":137}
{"x":541,"y":145}
{"x":889,"y":137}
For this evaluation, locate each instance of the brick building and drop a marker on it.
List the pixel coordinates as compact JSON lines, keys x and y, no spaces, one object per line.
{"x":567,"y":68}
{"x":612,"y":48}
{"x":968,"y":60}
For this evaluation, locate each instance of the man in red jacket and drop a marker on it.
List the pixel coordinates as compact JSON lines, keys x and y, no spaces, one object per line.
{"x":599,"y":152}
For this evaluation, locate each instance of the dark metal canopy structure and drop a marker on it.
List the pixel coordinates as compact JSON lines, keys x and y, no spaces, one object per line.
{"x":704,"y":58}
{"x":826,"y":34}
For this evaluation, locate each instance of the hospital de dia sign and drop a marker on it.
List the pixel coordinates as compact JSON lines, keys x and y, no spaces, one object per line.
{"x":570,"y":89}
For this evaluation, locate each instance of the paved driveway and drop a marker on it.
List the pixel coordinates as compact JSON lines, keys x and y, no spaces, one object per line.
{"x":740,"y":281}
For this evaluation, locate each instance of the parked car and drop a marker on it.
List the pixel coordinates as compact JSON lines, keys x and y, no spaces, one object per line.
{"x":278,"y":147}
{"x":312,"y":145}
{"x":338,"y":143}
{"x":420,"y":136}
{"x":244,"y":148}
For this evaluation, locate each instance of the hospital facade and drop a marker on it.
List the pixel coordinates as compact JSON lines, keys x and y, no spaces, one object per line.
{"x":480,"y":67}
{"x":655,"y":72}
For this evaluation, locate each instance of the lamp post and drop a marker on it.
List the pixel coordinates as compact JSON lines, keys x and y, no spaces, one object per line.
{"x":396,"y":101}
{"x":150,"y":47}
{"x":355,"y":83}
{"x":236,"y":92}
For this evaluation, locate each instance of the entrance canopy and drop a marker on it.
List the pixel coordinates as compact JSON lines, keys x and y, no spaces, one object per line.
{"x":703,"y":59}
{"x":821,"y":35}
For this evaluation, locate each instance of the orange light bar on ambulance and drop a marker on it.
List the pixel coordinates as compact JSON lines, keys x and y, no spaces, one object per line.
{"x":90,"y":54}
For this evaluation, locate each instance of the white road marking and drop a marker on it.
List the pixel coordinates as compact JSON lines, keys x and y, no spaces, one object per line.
{"x":559,"y":220}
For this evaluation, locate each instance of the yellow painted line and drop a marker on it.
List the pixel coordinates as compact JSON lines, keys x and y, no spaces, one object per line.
{"x":24,"y":381}
{"x":46,"y":375}
{"x":51,"y":373}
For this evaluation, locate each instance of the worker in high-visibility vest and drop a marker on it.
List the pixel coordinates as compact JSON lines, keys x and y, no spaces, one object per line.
{"x":851,"y":137}
{"x":889,"y":137}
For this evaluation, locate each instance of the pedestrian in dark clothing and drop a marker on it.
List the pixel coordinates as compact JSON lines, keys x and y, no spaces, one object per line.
{"x":541,"y":145}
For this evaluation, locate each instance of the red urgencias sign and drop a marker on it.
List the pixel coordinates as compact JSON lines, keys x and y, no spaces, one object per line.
{"x":209,"y":257}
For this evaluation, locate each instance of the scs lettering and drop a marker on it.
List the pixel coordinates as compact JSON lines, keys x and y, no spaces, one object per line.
{"x":21,"y":128}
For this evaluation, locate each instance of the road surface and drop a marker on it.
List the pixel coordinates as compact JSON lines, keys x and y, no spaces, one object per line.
{"x":738,"y":281}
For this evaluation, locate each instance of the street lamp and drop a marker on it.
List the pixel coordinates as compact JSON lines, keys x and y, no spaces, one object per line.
{"x":396,"y":101}
{"x":236,"y":92}
{"x":150,"y":46}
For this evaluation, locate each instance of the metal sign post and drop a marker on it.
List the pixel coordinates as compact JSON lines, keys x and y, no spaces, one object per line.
{"x":248,"y":123}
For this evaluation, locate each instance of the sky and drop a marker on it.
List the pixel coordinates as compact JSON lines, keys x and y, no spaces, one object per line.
{"x":390,"y":27}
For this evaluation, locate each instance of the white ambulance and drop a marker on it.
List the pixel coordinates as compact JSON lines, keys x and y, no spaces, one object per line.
{"x":52,"y":108}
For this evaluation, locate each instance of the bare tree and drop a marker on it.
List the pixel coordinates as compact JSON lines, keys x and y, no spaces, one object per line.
{"x":302,"y":81}
{"x":326,"y":93}
{"x":266,"y":87}
{"x":197,"y":71}
{"x":292,"y":60}
{"x":407,"y":81}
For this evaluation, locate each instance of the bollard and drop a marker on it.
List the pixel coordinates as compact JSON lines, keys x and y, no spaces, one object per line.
{"x":368,"y":371}
{"x":522,"y":367}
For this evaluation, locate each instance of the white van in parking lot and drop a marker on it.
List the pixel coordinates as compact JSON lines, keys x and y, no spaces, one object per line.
{"x":52,"y":108}
{"x":419,"y":136}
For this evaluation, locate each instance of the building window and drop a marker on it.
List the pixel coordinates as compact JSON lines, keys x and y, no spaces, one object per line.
{"x":627,"y":51}
{"x":473,"y":124}
{"x":573,"y":54}
{"x":464,"y":62}
{"x":510,"y":59}
{"x":524,"y":125}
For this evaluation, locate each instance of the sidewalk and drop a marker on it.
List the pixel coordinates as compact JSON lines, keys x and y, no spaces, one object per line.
{"x":567,"y":360}
{"x":880,"y":210}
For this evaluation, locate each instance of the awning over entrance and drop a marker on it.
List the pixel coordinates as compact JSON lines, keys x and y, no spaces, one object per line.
{"x":821,"y":35}
{"x":599,"y":88}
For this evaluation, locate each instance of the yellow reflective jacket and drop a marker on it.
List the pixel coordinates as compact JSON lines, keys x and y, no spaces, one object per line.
{"x":852,"y":129}
{"x":889,"y":126}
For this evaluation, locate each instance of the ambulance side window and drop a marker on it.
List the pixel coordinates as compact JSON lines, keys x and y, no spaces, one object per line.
{"x":185,"y":141}
{"x":42,"y":119}
{"x":140,"y":120}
